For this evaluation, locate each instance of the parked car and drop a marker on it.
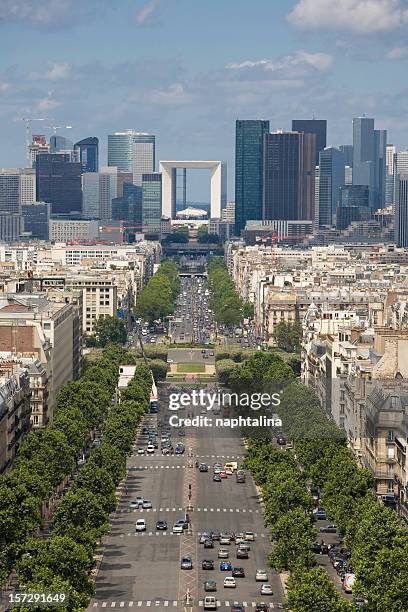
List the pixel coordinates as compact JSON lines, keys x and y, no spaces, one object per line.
{"x":321,"y":515}
{"x":328,"y":529}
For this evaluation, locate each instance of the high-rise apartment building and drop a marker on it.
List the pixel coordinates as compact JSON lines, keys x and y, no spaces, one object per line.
{"x":59,"y":183}
{"x":289,"y":176}
{"x":313,"y":126}
{"x":87,"y":151}
{"x":369,"y":159}
{"x":331,"y":178}
{"x":401,"y":210}
{"x":134,"y":152}
{"x":10,"y":201}
{"x":248,"y":171}
{"x":151,"y":202}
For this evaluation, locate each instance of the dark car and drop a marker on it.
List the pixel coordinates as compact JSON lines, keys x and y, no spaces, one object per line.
{"x":238,"y":572}
{"x":281,"y":440}
{"x":261,"y":607}
{"x":217,"y":478}
{"x":242,"y":554}
{"x":161,"y":525}
{"x":208,"y":543}
{"x":237,"y":608}
{"x":203,"y":467}
{"x":321,"y":515}
{"x":210,"y":585}
{"x":179,"y":450}
{"x":207,"y":564}
{"x":317,"y":549}
{"x":215,"y":535}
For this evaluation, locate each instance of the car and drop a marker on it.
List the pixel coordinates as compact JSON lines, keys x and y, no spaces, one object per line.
{"x":208,"y":543}
{"x":320,"y":515}
{"x":141,"y":451}
{"x":203,"y":467}
{"x":237,"y":608}
{"x":261,"y":607}
{"x":217,"y":478}
{"x":223,"y":553}
{"x":249,"y":536}
{"x":146,"y":504}
{"x":348,"y":582}
{"x":210,"y":603}
{"x":134,"y":504}
{"x":203,"y":537}
{"x":244,"y":545}
{"x":281,"y":440}
{"x":179,"y":450}
{"x":186,"y":563}
{"x":261,"y":575}
{"x":266,"y":589}
{"x":229,"y":582}
{"x":238,"y":572}
{"x":215,"y":536}
{"x":140,"y":525}
{"x":161,"y":525}
{"x":183,"y":523}
{"x":150,"y":449}
{"x":328,"y":529}
{"x":223,"y":474}
{"x":207,"y":564}
{"x":224,"y":539}
{"x":210,"y":585}
{"x":225,"y":566}
{"x":177,"y":528}
{"x":242,"y":554}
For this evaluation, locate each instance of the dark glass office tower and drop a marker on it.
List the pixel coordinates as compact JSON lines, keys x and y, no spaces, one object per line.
{"x":128,"y":208}
{"x":88,"y":154}
{"x":313,"y":126}
{"x":248,"y":171}
{"x":331,"y":178}
{"x":347,"y":151}
{"x":59,"y":183}
{"x":369,"y":159}
{"x":151,"y":202}
{"x":289,"y":176}
{"x":60,"y":144}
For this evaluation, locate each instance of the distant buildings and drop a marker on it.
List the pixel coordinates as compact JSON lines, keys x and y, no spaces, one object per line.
{"x":401,"y":210}
{"x":87,"y":151}
{"x":134,"y":152}
{"x":151,"y":203}
{"x":369,"y":159}
{"x":38,"y":145}
{"x":68,"y":230}
{"x":59,"y":183}
{"x":10,"y":201}
{"x":313,"y":126}
{"x":249,"y":144}
{"x":331,"y":179}
{"x":36,"y":218}
{"x":289,"y":176}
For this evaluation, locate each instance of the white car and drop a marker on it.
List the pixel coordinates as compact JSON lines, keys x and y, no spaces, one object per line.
{"x":261,"y":576}
{"x":225,"y":540}
{"x":250,"y":536}
{"x":134,"y":504}
{"x":150,"y":449}
{"x":223,"y":553}
{"x":210,"y":603}
{"x":146,"y":504}
{"x":266,"y":589}
{"x":141,"y":451}
{"x":177,"y":528}
{"x":229,"y":582}
{"x":140,"y":525}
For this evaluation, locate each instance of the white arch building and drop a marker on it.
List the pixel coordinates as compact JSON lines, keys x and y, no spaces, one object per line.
{"x":218,"y":185}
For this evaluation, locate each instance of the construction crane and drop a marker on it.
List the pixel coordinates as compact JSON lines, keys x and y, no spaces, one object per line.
{"x":54,"y":128}
{"x":28,"y":121}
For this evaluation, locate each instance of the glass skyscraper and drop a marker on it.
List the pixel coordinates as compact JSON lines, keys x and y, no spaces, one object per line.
{"x":59,"y":183}
{"x":248,"y":171}
{"x":331,"y":178}
{"x":151,"y":202}
{"x":87,"y":151}
{"x":134,"y":152}
{"x":313,"y":126}
{"x":369,"y":159}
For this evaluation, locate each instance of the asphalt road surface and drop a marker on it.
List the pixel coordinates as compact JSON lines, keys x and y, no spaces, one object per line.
{"x":143,"y":570}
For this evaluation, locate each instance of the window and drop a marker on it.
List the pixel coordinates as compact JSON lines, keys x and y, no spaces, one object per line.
{"x":390,"y":435}
{"x":47,"y":325}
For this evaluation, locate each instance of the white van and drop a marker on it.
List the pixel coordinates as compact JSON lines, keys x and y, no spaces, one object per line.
{"x":210,"y":603}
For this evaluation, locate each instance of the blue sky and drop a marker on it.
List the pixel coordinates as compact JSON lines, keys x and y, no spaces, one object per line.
{"x":186,"y":69}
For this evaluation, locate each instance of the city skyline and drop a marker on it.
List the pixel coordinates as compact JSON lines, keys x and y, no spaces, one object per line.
{"x":161,"y":74}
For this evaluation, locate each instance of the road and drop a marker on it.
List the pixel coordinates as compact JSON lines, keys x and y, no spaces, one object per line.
{"x":143,"y":570}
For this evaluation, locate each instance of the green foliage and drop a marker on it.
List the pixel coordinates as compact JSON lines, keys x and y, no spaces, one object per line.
{"x":312,"y":591}
{"x":178,"y":238}
{"x":110,"y":329}
{"x":159,"y":369}
{"x":157,"y":298}
{"x":224,"y":369}
{"x":294,"y":537}
{"x":248,"y":310}
{"x":288,"y":336}
{"x":225,"y":302}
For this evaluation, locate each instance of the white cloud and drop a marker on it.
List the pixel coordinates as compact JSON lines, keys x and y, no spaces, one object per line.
{"x":47,"y":104}
{"x":174,"y":95}
{"x":319,"y":61}
{"x":56,"y":72}
{"x":145,"y":14}
{"x":358,"y":16}
{"x":397,"y":53}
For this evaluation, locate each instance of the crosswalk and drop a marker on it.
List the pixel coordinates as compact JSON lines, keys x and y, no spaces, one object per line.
{"x":169,"y":603}
{"x":179,"y":509}
{"x":140,"y":534}
{"x":136,"y":468}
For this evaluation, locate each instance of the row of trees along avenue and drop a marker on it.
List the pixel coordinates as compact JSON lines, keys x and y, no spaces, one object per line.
{"x":228,"y":308}
{"x":375,"y":534}
{"x":157,"y":299}
{"x":64,"y":561}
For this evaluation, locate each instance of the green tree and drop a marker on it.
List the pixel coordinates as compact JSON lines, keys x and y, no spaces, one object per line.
{"x":81,"y":509}
{"x":159,"y":369}
{"x":110,"y":329}
{"x":312,"y":591}
{"x":288,"y":336}
{"x":248,"y":310}
{"x":294,"y":537}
